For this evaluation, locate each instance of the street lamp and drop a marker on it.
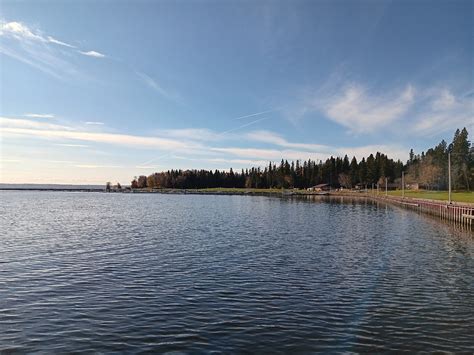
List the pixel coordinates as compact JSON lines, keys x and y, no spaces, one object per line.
{"x":450,"y":148}
{"x":449,"y":177}
{"x":403,"y":184}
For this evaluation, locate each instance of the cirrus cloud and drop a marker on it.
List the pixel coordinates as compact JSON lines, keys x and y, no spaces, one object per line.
{"x":362,"y":112}
{"x":22,"y":32}
{"x":93,"y":54}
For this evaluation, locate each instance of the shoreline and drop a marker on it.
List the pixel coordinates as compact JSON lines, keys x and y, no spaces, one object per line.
{"x":247,"y":192}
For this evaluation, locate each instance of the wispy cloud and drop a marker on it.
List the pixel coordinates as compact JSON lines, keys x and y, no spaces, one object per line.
{"x":71,"y":145}
{"x":43,"y":52}
{"x":10,"y":161}
{"x":38,"y":115}
{"x":146,"y":166}
{"x":22,"y":32}
{"x":276,"y":155}
{"x":362,"y":112}
{"x":6,"y":122}
{"x":92,"y":54}
{"x":53,"y":131}
{"x":195,"y":134}
{"x":96,"y":123}
{"x":152,"y":83}
{"x":405,"y":110}
{"x":182,"y":147}
{"x":269,"y":154}
{"x":276,"y":139}
{"x":444,"y":112}
{"x":55,"y":41}
{"x":214,"y":135}
{"x":93,"y":166}
{"x":48,"y":60}
{"x":108,"y":138}
{"x":393,"y":150}
{"x":245,"y":162}
{"x":258,"y":113}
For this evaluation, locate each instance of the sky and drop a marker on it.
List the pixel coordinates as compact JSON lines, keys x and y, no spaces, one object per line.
{"x":95,"y":91}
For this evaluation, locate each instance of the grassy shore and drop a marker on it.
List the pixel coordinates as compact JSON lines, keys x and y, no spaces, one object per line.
{"x":241,"y":190}
{"x":431,"y":195}
{"x":437,"y":195}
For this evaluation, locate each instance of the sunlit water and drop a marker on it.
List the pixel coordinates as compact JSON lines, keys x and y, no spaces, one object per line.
{"x":137,"y":272}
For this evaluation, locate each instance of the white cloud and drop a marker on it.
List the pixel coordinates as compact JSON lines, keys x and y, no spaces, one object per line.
{"x":445,"y":100}
{"x":246,"y":162}
{"x":22,"y":32}
{"x":15,"y":123}
{"x":37,"y":56}
{"x":53,"y":131}
{"x":93,"y":54}
{"x":270,"y":154}
{"x":181,"y":142}
{"x":94,"y":123}
{"x":361,"y":112}
{"x":35,"y":50}
{"x":38,"y":115}
{"x":273,"y":138}
{"x":323,"y":151}
{"x":414,"y":112}
{"x":71,"y":145}
{"x":109,"y":138}
{"x":55,"y":41}
{"x":393,"y":151}
{"x":445,"y":112}
{"x":31,"y":47}
{"x":197,"y":134}
{"x":19,"y":31}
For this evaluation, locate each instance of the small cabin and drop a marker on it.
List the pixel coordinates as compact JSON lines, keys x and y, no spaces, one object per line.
{"x":413,"y":186}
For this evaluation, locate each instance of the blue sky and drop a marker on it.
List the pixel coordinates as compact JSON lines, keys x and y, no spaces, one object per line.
{"x":95,"y":91}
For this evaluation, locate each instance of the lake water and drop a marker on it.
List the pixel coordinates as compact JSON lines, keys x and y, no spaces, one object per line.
{"x":193,"y":273}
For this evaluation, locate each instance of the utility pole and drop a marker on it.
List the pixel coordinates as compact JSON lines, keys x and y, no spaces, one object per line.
{"x":386,"y":188}
{"x":403,"y":184}
{"x":449,"y":177}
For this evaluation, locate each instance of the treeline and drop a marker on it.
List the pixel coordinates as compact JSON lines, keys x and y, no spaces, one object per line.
{"x":428,"y":169}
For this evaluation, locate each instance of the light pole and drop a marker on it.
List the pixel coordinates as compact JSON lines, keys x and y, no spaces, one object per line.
{"x":449,"y":176}
{"x":386,"y":188}
{"x":403,"y":184}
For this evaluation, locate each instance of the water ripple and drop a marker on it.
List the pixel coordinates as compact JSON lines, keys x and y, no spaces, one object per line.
{"x":89,"y":272}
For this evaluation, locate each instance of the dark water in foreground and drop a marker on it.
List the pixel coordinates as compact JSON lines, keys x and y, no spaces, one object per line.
{"x":138,"y":272}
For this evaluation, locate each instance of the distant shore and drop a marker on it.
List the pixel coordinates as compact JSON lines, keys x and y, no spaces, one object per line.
{"x":438,"y":196}
{"x":50,"y":187}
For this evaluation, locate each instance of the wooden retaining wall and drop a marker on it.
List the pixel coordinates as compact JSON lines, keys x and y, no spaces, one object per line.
{"x":462,"y":214}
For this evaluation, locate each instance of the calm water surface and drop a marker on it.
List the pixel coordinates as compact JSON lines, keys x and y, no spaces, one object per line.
{"x":149,"y":272}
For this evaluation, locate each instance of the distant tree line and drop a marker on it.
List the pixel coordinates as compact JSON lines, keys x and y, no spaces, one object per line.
{"x":428,"y":169}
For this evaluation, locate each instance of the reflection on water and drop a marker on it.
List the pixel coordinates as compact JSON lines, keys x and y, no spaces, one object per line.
{"x":126,"y":272}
